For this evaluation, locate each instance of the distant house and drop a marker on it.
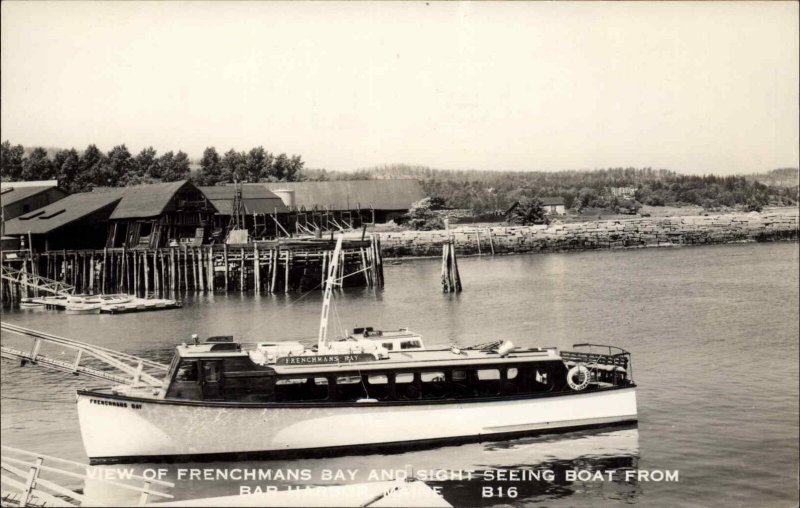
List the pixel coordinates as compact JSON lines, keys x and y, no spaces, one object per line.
{"x":551,"y":205}
{"x":375,"y":200}
{"x":554,"y":205}
{"x":19,"y":198}
{"x":151,"y":216}
{"x":624,"y":192}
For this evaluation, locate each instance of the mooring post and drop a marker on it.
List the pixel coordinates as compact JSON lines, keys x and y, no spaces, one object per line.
{"x":164,"y":280}
{"x":379,"y":259}
{"x":156,"y":274}
{"x":286,"y":272}
{"x":91,"y":273}
{"x":103,"y":274}
{"x":225,"y":260}
{"x":445,"y":269}
{"x":201,"y":269}
{"x":274,"y":269}
{"x":241,"y":270}
{"x":455,"y":270}
{"x":211,"y":282}
{"x":256,"y":269}
{"x":186,"y":267}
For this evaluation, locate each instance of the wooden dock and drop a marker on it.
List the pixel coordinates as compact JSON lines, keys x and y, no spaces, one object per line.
{"x":277,"y":266}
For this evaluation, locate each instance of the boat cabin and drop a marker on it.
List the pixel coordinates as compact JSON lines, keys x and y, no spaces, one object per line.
{"x":219,"y":369}
{"x":393,"y":340}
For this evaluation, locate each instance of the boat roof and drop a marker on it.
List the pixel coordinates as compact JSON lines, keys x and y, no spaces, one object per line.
{"x":415,"y":359}
{"x":408,"y":359}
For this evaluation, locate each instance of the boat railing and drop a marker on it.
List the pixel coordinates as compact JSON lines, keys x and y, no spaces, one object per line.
{"x":134,"y":369}
{"x":615,"y":356}
{"x":23,"y":471}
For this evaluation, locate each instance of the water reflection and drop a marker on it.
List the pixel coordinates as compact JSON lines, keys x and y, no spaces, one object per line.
{"x":548,"y":468}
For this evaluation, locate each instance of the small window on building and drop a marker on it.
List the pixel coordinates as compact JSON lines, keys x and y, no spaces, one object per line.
{"x":145,"y":228}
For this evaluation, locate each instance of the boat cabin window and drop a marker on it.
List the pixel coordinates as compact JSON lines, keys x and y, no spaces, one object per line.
{"x":351,"y":388}
{"x":410,"y":344}
{"x":377,"y":386}
{"x":211,"y":372}
{"x":488,"y":382}
{"x":388,"y":345}
{"x":289,"y":389}
{"x":434,"y":385}
{"x":187,"y":371}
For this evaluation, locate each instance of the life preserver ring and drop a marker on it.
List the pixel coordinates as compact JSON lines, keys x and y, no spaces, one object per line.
{"x":578,"y":370}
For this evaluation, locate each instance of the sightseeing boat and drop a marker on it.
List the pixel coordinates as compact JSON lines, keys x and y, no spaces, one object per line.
{"x":370,"y":390}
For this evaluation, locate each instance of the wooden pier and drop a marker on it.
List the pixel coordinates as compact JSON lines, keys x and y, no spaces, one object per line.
{"x":277,"y":266}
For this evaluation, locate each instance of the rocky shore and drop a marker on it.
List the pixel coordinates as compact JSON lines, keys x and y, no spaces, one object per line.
{"x":609,"y":234}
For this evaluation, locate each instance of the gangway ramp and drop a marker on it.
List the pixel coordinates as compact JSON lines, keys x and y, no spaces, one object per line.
{"x":34,"y":281}
{"x":127,"y":369}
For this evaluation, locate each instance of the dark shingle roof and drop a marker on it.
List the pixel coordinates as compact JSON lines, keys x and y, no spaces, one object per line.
{"x":62,"y":212}
{"x":11,"y":193}
{"x":145,"y":200}
{"x":552,"y":201}
{"x":256,"y":199}
{"x":351,"y":194}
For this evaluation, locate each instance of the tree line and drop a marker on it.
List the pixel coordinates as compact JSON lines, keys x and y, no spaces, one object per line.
{"x":80,"y":171}
{"x":489,"y":191}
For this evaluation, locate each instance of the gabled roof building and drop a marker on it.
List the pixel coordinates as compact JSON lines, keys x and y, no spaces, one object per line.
{"x":151,"y":216}
{"x":386,"y":198}
{"x":19,"y":198}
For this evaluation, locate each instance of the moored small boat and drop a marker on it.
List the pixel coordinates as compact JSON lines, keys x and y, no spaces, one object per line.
{"x":30,"y":303}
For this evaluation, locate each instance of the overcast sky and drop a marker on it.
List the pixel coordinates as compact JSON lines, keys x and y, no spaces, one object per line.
{"x":694,"y":87}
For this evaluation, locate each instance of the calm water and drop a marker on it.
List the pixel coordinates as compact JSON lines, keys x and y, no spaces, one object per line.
{"x":713,"y":331}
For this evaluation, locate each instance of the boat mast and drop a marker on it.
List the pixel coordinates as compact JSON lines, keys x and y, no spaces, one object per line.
{"x":326,"y":300}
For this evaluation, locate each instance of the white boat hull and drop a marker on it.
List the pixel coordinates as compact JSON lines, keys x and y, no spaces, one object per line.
{"x":118,"y":429}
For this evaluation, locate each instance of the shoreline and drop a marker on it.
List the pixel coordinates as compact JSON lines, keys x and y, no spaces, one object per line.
{"x":617,"y":234}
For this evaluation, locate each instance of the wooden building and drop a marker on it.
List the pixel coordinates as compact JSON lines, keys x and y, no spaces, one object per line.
{"x":554,"y":205}
{"x":348,"y":203}
{"x":147,"y":216}
{"x":160,"y":215}
{"x":79,"y":221}
{"x":261,"y":211}
{"x":19,"y":198}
